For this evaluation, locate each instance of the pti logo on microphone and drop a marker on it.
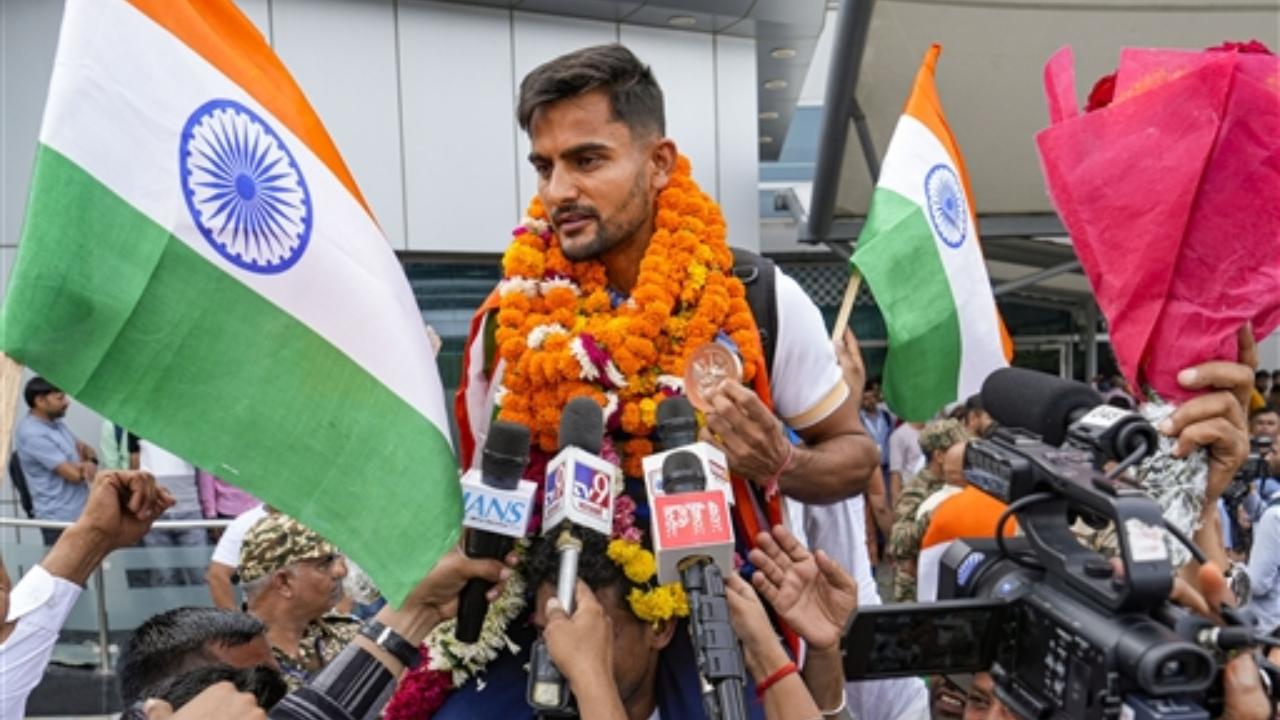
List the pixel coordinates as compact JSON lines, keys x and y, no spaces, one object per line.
{"x":692,"y":519}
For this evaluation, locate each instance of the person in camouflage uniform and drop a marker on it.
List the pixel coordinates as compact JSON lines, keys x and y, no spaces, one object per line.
{"x":904,"y":539}
{"x":292,"y":579}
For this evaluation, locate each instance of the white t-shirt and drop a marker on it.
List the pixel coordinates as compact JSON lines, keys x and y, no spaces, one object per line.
{"x":227,"y":551}
{"x":905,"y":455}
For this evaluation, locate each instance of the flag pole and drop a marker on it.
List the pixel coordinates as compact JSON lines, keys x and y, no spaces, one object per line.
{"x":846,"y":305}
{"x":10,"y":379}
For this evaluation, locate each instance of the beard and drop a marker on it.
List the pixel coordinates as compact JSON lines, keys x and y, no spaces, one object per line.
{"x":610,"y":233}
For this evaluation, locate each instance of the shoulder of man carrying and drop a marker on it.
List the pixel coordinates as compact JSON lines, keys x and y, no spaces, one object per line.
{"x":278,"y":540}
{"x":942,"y":434}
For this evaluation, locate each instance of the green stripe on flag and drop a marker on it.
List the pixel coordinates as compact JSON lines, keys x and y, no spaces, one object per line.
{"x":898,"y":257}
{"x":136,"y":325}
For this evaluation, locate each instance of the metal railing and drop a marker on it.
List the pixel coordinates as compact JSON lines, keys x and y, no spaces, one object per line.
{"x":99,"y":584}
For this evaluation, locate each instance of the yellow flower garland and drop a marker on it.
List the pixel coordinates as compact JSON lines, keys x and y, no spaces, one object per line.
{"x":651,"y":603}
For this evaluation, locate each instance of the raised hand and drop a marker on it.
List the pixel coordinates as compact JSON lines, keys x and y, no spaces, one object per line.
{"x":813,"y":594}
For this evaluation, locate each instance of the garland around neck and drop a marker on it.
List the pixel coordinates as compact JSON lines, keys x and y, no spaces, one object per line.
{"x":560,"y":335}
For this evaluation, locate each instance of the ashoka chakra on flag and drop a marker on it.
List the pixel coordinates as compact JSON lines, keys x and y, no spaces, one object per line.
{"x":245,"y":191}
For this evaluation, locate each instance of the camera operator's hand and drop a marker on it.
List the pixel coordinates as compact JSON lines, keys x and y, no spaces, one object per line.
{"x":1244,"y":698}
{"x":581,"y":646}
{"x":813,"y":594}
{"x":1216,"y":419}
{"x":121,"y":507}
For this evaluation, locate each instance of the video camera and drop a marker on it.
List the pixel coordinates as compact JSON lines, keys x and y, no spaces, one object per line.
{"x":1064,"y":631}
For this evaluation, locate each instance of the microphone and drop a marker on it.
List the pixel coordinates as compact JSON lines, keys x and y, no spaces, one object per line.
{"x":578,"y":493}
{"x":693,"y":539}
{"x":497,"y":506}
{"x":1058,"y":409}
{"x":677,"y":428}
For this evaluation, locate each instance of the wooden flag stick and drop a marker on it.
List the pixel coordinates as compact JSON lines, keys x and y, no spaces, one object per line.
{"x":846,"y":305}
{"x":10,"y":379}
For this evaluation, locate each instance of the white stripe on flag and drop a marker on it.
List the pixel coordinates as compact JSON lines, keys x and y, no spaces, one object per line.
{"x":913,"y":150}
{"x":120,"y":95}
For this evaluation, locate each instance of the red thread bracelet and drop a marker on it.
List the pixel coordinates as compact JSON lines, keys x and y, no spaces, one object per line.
{"x":771,"y":486}
{"x":763,"y":686}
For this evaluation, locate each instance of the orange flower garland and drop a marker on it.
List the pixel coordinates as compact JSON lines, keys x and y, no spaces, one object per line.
{"x":560,"y":337}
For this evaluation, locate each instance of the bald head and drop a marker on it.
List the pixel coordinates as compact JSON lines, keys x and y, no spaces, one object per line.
{"x":953,"y":464}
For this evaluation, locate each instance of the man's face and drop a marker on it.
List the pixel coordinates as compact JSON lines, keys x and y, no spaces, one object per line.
{"x":54,"y":405}
{"x":1261,"y":383}
{"x":635,"y":643}
{"x":251,"y":654}
{"x":595,"y":179}
{"x":317,"y":584}
{"x":871,"y":399}
{"x":946,"y":699}
{"x":1265,"y":425}
{"x":982,"y":703}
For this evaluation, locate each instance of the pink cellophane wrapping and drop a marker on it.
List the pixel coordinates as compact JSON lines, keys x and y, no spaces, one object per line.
{"x":1171,"y":195}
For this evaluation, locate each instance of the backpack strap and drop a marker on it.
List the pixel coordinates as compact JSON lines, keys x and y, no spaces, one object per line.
{"x":757,"y":275}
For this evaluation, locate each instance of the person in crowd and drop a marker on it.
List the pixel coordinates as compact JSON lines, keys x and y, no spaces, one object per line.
{"x":226,"y":558}
{"x":292,"y":578}
{"x":118,"y":511}
{"x":947,"y":696}
{"x":817,"y":598}
{"x":358,"y":682}
{"x":220,"y":499}
{"x":1262,"y":382}
{"x":908,"y":529}
{"x":179,"y":477}
{"x":120,"y":448}
{"x":875,"y":417}
{"x":1264,"y":561}
{"x":57,"y":465}
{"x":977,"y":421}
{"x":905,"y":458}
{"x":981,"y":702}
{"x":185,"y":639}
{"x":958,"y":511}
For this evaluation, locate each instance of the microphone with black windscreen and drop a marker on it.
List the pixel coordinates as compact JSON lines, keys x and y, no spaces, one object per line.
{"x":1057,"y":409}
{"x":497,"y":505}
{"x":578,"y":496}
{"x":693,"y":536}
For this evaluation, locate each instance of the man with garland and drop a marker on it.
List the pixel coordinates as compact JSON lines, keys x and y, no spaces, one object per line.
{"x":619,"y":273}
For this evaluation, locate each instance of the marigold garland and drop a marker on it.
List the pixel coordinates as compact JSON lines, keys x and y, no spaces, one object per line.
{"x":650,"y":602}
{"x":560,"y":336}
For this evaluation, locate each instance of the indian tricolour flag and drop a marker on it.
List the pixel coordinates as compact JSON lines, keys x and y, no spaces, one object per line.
{"x":198,"y":265}
{"x":919,"y":252}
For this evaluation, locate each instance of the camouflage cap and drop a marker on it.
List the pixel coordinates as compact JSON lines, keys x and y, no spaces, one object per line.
{"x":941,"y":434}
{"x":278,"y":540}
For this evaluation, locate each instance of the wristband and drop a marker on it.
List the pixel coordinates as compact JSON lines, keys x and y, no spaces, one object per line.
{"x":839,"y":709}
{"x":763,"y":686}
{"x":391,"y":641}
{"x":771,"y":485}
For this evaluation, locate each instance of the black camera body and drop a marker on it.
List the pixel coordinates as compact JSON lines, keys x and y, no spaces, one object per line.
{"x":1064,"y":631}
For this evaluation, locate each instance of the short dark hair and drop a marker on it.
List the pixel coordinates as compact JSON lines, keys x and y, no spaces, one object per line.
{"x":973,"y":404}
{"x":634,"y":96}
{"x":594,"y":566}
{"x":263,"y":682}
{"x":176,"y":641}
{"x":1268,"y":409}
{"x":36,"y":387}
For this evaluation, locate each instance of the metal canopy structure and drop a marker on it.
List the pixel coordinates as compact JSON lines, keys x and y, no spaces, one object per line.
{"x":989,"y":80}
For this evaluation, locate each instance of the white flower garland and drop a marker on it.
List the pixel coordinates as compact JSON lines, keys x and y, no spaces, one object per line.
{"x":465,"y":660}
{"x":539,"y":335}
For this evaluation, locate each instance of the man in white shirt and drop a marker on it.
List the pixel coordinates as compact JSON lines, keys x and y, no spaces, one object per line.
{"x":119,"y":510}
{"x":226,"y":558}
